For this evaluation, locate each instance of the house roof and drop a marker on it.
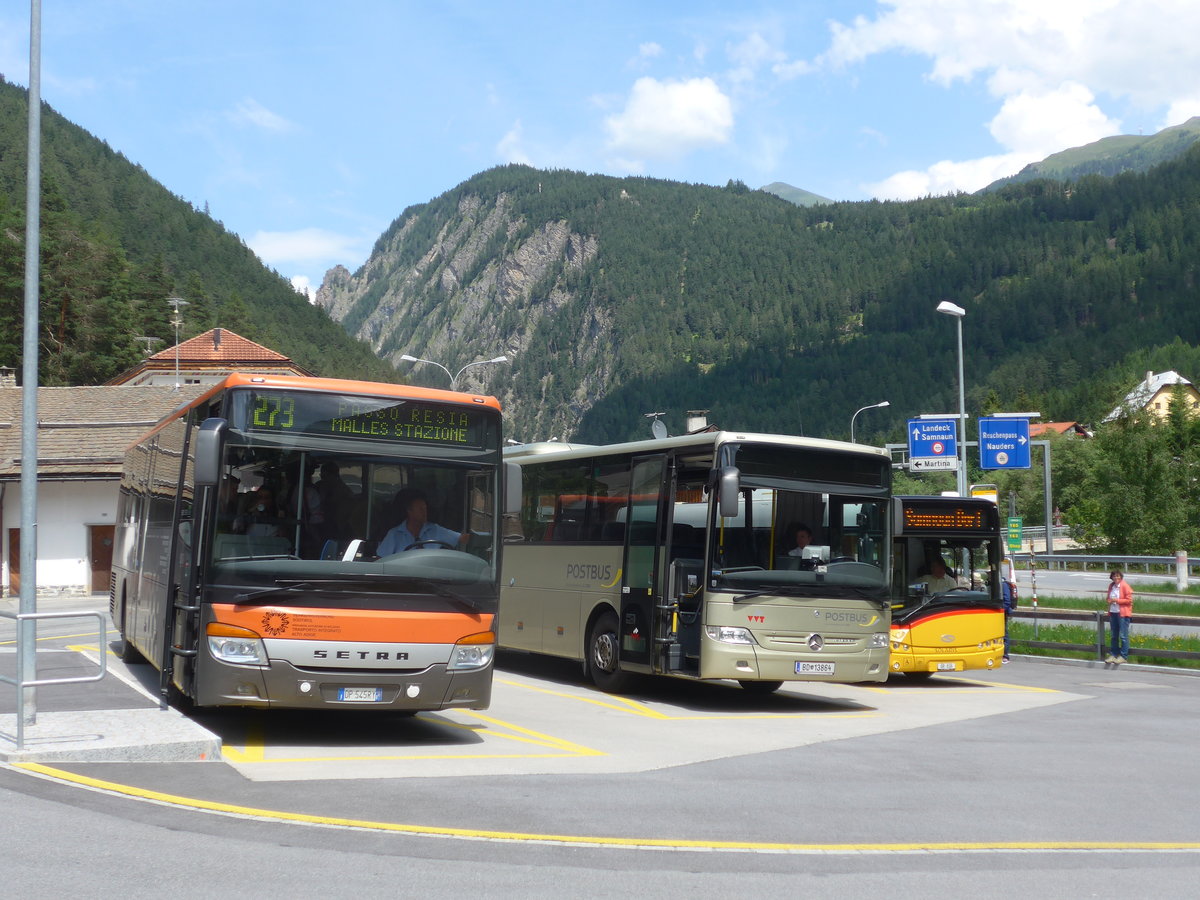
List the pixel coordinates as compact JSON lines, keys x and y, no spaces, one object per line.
{"x":1145,"y":391}
{"x":1058,"y":428}
{"x":217,"y":349}
{"x":83,"y":431}
{"x":220,"y":345}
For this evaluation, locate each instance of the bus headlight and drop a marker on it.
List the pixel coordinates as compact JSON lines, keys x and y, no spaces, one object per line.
{"x":475,"y":651}
{"x":235,"y":645}
{"x":727,"y":634}
{"x":879,"y":641}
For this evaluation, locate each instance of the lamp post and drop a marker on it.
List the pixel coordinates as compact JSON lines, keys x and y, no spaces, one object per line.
{"x":177,"y":320}
{"x":454,"y":378}
{"x":949,"y":309}
{"x":878,"y":405}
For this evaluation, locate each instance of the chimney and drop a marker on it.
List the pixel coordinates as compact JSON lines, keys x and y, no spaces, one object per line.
{"x":216,"y":339}
{"x":697,"y":420}
{"x":8,"y":377}
{"x":1149,"y":379}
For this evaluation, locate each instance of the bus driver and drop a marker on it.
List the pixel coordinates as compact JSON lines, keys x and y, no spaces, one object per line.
{"x":416,"y":529}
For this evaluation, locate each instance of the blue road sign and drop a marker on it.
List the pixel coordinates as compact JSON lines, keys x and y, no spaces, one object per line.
{"x":1004,"y":443}
{"x":933,"y":443}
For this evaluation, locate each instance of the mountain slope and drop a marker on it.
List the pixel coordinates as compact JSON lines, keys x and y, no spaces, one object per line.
{"x":137,"y":244}
{"x":796,"y":195}
{"x":617,"y":297}
{"x":1111,"y":155}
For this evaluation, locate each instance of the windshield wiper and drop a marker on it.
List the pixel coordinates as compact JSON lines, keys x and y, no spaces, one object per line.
{"x":279,"y":588}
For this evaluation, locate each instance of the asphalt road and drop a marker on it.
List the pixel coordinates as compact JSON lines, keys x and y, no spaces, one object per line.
{"x":1071,"y":781}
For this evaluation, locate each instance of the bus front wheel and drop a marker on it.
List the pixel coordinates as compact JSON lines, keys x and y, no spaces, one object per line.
{"x":604,"y":651}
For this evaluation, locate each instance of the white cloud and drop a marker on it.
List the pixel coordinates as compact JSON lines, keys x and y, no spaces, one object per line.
{"x":1052,"y":66}
{"x":665,"y":120}
{"x":1182,"y":110}
{"x":315,"y":247}
{"x":649,"y":50}
{"x":947,"y":177}
{"x":303,"y":284}
{"x":1039,"y":124}
{"x":511,"y":147}
{"x":251,"y":112}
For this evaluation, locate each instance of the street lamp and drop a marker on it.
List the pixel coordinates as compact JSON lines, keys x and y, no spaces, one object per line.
{"x":878,"y":405}
{"x":949,"y":309}
{"x":454,"y":378}
{"x":177,"y":320}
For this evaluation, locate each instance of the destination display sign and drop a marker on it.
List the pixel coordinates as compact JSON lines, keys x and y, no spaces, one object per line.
{"x":947,"y":517}
{"x":384,"y":419}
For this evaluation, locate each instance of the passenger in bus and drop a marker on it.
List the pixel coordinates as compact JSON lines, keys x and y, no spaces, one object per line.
{"x":416,"y":529}
{"x":261,"y":518}
{"x":337,"y":500}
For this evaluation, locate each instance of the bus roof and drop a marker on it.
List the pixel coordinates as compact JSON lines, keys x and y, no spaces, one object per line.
{"x":543,"y":449}
{"x":324,"y":385}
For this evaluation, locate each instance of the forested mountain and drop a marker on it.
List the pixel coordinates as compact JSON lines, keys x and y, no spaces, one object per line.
{"x":620,"y":296}
{"x":115,"y":244}
{"x":1112,"y":155}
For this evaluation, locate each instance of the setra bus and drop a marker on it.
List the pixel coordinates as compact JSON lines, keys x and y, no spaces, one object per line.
{"x":947,"y":607}
{"x":243,"y":561}
{"x":673,"y":557}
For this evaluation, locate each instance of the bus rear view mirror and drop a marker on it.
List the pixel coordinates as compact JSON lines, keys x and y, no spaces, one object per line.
{"x":728,"y":491}
{"x":210,"y":446}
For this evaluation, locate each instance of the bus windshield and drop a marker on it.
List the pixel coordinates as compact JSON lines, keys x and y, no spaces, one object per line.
{"x":809,"y":523}
{"x":288,"y":514}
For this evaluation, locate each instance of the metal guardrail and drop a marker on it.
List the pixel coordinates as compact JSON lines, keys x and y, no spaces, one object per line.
{"x":1101,"y":620}
{"x":41,"y":682}
{"x":1106,"y":561}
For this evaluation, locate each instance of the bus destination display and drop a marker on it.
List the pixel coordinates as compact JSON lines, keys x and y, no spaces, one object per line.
{"x":367,"y":418}
{"x":943,"y":518}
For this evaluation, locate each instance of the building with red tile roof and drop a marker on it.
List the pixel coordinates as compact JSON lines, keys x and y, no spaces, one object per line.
{"x":206,"y":359}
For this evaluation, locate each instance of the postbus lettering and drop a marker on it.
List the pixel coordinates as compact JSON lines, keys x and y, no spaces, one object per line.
{"x":589,"y":572}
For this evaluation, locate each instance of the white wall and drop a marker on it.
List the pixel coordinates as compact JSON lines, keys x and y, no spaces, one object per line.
{"x":65,"y":510}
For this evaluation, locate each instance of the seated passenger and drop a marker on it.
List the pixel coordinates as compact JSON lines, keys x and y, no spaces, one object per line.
{"x":417,"y":528}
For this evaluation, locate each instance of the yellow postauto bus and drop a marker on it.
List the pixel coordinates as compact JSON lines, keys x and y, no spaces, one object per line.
{"x":677,"y":557}
{"x":947,"y":605}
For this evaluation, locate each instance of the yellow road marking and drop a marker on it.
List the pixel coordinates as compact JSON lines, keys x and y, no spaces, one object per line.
{"x":254,"y":751}
{"x":604,"y":841}
{"x":625,"y":705}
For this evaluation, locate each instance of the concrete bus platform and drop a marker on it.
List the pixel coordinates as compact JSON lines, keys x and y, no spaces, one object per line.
{"x":116,"y":719}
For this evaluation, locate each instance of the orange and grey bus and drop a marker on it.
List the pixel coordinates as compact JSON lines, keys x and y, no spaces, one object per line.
{"x":948,"y":607}
{"x":244,"y":565}
{"x":675,"y":557}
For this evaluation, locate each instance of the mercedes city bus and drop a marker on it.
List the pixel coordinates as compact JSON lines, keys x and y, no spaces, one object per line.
{"x":673,"y":557}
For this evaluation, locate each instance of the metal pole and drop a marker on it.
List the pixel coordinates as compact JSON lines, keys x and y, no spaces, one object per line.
{"x":962,"y":417}
{"x":1047,"y":490}
{"x":27,"y":644}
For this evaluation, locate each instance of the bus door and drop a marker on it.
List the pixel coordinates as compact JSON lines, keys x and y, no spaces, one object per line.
{"x":641,"y":589}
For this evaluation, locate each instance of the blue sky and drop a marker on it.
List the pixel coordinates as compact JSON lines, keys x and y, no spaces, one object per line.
{"x":307,"y":127}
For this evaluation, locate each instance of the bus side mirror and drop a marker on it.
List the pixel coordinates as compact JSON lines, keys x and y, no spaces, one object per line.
{"x":728,"y":491}
{"x":512,"y":489}
{"x":210,"y":447}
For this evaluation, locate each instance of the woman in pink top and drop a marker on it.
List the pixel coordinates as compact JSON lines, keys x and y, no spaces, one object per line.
{"x":1120,"y":613}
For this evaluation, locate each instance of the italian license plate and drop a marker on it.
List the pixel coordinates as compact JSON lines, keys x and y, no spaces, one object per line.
{"x":947,"y":667}
{"x":361,"y":694}
{"x":814,"y":668}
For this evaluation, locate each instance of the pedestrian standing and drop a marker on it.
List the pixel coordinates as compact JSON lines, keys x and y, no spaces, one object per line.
{"x":1120,"y":613}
